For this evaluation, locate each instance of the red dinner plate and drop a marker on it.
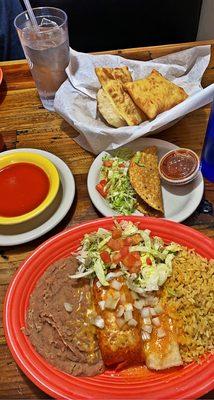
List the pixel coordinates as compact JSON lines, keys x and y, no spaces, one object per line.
{"x":186,"y":382}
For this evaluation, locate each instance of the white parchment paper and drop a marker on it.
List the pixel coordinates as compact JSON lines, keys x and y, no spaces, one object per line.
{"x":76,"y":101}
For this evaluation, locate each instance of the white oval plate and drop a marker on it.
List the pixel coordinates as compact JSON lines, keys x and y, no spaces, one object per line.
{"x":68,"y":192}
{"x":179,"y":201}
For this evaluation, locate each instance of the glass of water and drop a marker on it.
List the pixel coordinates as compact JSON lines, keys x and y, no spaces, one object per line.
{"x":46,"y":49}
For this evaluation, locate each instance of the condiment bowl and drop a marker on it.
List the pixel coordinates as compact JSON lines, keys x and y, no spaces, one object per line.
{"x":51,"y":176}
{"x":179,"y":167}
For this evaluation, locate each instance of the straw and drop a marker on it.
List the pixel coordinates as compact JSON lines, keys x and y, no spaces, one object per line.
{"x":31,"y":15}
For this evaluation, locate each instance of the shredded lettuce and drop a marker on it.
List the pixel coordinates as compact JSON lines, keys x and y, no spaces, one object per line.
{"x":156,"y":258}
{"x":121,"y":196}
{"x":99,"y":268}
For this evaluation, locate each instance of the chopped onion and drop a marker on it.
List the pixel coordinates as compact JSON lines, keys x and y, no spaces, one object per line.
{"x":160,"y":333}
{"x":132,"y":322}
{"x":152,"y":312}
{"x":82,"y":275}
{"x":98,"y":284}
{"x":99,"y":322}
{"x":135,"y":288}
{"x":156,"y":321}
{"x":68,"y":307}
{"x":112,"y":275}
{"x":120,"y":311}
{"x":145,"y":336}
{"x":123,"y":298}
{"x":128,"y":307}
{"x":116,"y":284}
{"x":145,"y":312}
{"x":147,"y":328}
{"x":134,"y":295}
{"x":147,"y":321}
{"x":115,"y":294}
{"x":139,"y":304}
{"x":151,"y":300}
{"x":158,"y":309}
{"x":120,"y":322}
{"x":102,"y":304}
{"x":128,"y":315}
{"x":112,"y":301}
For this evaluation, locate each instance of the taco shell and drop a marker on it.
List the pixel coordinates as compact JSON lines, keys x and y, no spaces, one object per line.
{"x":145,"y":180}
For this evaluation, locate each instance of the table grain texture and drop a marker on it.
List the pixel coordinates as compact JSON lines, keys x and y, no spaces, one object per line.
{"x":25,"y":123}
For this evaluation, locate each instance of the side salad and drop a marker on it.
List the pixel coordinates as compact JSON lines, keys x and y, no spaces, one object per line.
{"x":115,"y":186}
{"x":144,"y":261}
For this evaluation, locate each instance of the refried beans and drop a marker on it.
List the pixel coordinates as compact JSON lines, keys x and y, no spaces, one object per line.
{"x":58,"y":321}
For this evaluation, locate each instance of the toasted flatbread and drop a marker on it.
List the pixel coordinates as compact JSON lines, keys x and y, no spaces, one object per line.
{"x":155,"y":94}
{"x":104,"y":74}
{"x":108,"y":110}
{"x":122,"y":102}
{"x":145,"y":179}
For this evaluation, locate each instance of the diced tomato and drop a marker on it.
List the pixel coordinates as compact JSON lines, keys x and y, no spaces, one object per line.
{"x":132,"y":263}
{"x":100,"y":189}
{"x":136,"y":254}
{"x":116,"y":258}
{"x":105,"y":257}
{"x":107,"y":163}
{"x":121,"y":165}
{"x":103,"y":182}
{"x":115,"y":244}
{"x":116,"y":233}
{"x":128,"y":241}
{"x":124,"y":251}
{"x":136,"y":239}
{"x":148,"y":261}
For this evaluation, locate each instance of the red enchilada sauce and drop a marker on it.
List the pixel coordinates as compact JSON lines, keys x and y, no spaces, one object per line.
{"x":23,"y":187}
{"x":179,"y":164}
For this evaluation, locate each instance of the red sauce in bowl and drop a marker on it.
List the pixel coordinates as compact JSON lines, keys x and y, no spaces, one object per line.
{"x":179,"y":164}
{"x":23,"y":187}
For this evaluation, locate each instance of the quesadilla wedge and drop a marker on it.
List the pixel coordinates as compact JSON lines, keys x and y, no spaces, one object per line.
{"x":145,"y":179}
{"x":123,"y":102}
{"x":155,"y":94}
{"x":108,"y":110}
{"x":104,"y":74}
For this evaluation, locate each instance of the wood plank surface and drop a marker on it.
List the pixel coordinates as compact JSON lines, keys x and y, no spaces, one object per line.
{"x":25,"y":123}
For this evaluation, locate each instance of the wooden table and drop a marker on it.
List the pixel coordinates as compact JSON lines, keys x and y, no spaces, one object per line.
{"x":25,"y":123}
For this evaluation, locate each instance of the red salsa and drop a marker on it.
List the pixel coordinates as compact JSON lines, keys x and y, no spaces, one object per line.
{"x":23,"y":187}
{"x":179,"y":164}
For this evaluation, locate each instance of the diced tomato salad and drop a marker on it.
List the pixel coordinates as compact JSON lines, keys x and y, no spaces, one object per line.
{"x":121,"y":251}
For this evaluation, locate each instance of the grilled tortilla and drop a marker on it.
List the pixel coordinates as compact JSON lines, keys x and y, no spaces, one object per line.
{"x":144,"y":178}
{"x":108,"y":110}
{"x":122,"y":102}
{"x":155,"y":94}
{"x":105,"y":74}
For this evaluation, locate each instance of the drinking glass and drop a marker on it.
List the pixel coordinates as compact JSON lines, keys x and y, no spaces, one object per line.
{"x":46,"y":49}
{"x":207,"y":155}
